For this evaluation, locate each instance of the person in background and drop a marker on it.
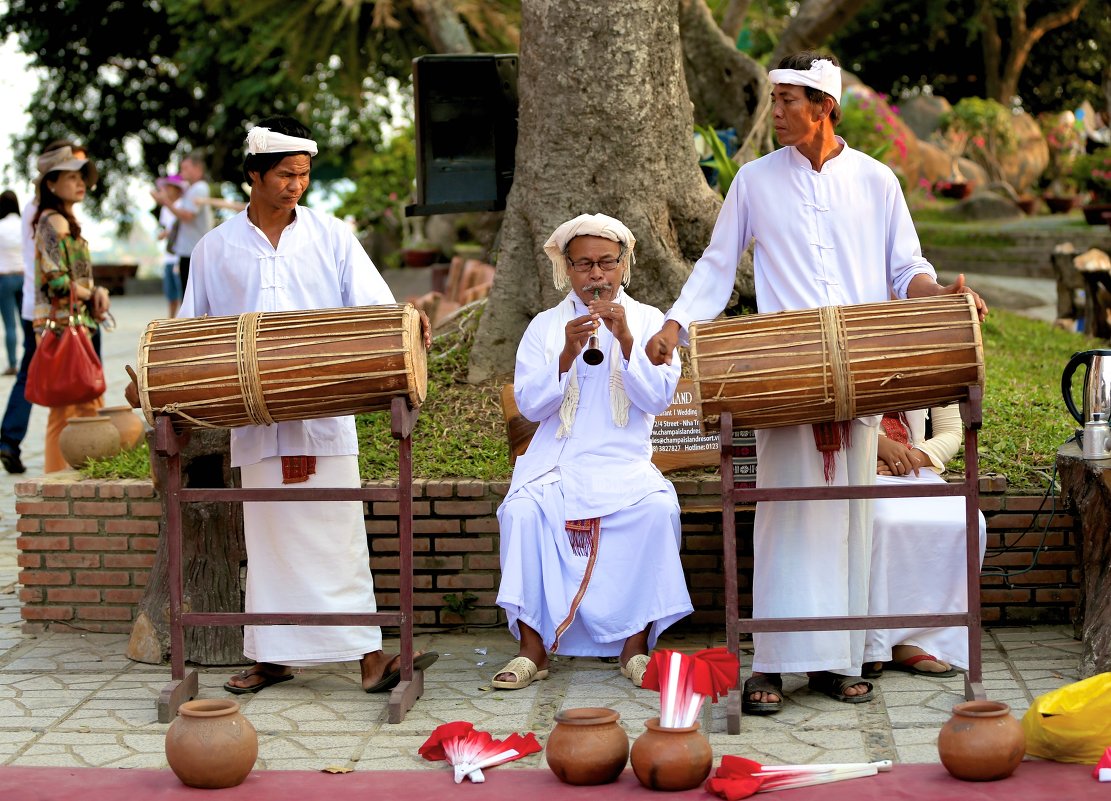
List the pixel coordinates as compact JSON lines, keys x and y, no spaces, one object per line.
{"x":11,"y":272}
{"x":17,"y":414}
{"x":193,"y":213}
{"x":170,"y":188}
{"x":64,"y":272}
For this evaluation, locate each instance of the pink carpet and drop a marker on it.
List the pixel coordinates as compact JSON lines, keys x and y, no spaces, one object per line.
{"x":1033,"y":781}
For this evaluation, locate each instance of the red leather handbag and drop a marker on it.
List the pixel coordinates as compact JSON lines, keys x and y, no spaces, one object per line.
{"x":65,"y":369}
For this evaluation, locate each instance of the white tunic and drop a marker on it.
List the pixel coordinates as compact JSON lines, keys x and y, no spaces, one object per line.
{"x":599,"y":470}
{"x":838,"y":236}
{"x":919,"y":550}
{"x":302,"y":557}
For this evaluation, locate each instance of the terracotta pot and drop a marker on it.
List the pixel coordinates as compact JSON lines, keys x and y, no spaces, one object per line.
{"x":1093,"y":212}
{"x":1060,"y":204}
{"x":127,"y":422}
{"x":982,"y":742}
{"x":671,"y":759}
{"x":587,"y":746}
{"x":210,"y":744}
{"x":86,"y":438}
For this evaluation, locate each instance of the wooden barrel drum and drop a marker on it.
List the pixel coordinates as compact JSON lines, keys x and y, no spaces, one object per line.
{"x":838,"y":362}
{"x":264,"y":367}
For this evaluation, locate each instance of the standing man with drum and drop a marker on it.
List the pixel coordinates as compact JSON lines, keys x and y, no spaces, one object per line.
{"x":831,"y":228}
{"x":302,"y":557}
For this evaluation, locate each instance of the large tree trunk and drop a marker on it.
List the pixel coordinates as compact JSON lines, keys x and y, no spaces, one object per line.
{"x":728,"y":89}
{"x":1001,"y":75}
{"x":814,"y":23}
{"x":605,"y":125}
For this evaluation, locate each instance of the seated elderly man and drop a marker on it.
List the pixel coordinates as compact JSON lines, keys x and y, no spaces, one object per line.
{"x":590,"y":528}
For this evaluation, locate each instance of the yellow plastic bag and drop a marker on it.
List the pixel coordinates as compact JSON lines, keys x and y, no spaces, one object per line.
{"x":1072,"y":723}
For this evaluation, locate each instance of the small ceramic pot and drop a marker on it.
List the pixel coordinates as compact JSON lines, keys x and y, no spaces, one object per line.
{"x":982,"y":742}
{"x":86,"y":438}
{"x":671,"y":759}
{"x":587,"y":746}
{"x":127,"y":423}
{"x":210,"y":744}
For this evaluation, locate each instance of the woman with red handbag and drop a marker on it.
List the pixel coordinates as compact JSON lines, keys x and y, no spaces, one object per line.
{"x":68,"y":305}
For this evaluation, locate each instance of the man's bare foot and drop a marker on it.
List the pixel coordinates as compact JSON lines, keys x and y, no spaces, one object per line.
{"x":257,"y":677}
{"x":376,"y":666}
{"x":764,"y":697}
{"x":901,"y":653}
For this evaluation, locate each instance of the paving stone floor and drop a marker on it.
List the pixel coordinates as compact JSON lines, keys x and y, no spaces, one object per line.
{"x":73,"y":699}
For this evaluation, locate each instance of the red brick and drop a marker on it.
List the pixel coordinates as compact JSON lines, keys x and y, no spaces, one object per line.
{"x":464,"y":544}
{"x":424,"y":618}
{"x":102,"y":578}
{"x":994,"y":596}
{"x":100,"y":543}
{"x":98,"y":509}
{"x":470,"y":488}
{"x":989,"y":614}
{"x":53,"y":490}
{"x":439,"y":489}
{"x":140,"y":579}
{"x":463,"y":508}
{"x":1057,"y":595}
{"x":435,"y":526}
{"x":384,"y":563}
{"x":393,"y":544}
{"x":73,"y":595}
{"x":390,"y":509}
{"x":1031,"y":503}
{"x":144,"y":543}
{"x":28,"y":560}
{"x":104,"y":612}
{"x":30,"y":595}
{"x":113,"y":490}
{"x":391,"y":581}
{"x":145,"y":560}
{"x":83,"y":490}
{"x":122,"y":596}
{"x":480,"y":561}
{"x":484,"y":616}
{"x":697,"y":562}
{"x":437,"y":563}
{"x":28,"y":524}
{"x":140,"y":490}
{"x":499,"y":489}
{"x":42,"y":543}
{"x":42,"y":508}
{"x":73,"y":560}
{"x":129,"y":526}
{"x":57,"y":577}
{"x":702,"y":543}
{"x":465,"y":581}
{"x":46,"y":613}
{"x":481,"y":525}
{"x":146,"y":509}
{"x":70,"y":525}
{"x":381,"y":526}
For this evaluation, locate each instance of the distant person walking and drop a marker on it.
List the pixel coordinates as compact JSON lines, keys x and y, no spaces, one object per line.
{"x":194,"y":215}
{"x":11,"y":272}
{"x":169,"y":191}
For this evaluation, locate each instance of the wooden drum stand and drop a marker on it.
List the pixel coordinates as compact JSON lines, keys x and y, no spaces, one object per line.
{"x":733,"y":493}
{"x":183,"y":684}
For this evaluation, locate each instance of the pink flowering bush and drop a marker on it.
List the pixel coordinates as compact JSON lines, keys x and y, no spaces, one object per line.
{"x":1092,"y":172}
{"x":870,"y":124}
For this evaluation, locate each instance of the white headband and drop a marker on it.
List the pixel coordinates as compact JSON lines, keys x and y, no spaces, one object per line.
{"x":587,"y":225}
{"x":263,"y":140}
{"x":822,"y":75}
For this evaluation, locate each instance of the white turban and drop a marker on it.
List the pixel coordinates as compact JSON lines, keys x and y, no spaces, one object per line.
{"x":822,"y":75}
{"x":587,"y":225}
{"x":264,"y":140}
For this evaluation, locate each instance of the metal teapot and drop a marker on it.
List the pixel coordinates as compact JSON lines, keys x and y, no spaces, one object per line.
{"x":1096,"y":398}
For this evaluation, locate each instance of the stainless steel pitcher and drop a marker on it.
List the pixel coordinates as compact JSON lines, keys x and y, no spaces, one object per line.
{"x":1096,"y":398}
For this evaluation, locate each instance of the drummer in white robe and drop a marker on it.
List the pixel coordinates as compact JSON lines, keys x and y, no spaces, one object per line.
{"x":919,"y":548}
{"x":302,"y":557}
{"x":590,"y":528}
{"x":831,"y":227}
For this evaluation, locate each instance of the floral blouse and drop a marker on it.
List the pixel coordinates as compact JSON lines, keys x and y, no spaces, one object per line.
{"x":59,"y":260}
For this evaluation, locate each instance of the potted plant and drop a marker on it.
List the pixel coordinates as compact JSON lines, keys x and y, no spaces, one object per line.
{"x":1092,"y":172}
{"x":1063,"y":139}
{"x":982,"y":131}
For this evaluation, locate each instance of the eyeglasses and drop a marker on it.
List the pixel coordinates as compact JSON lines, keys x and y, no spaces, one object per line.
{"x":586,"y":265}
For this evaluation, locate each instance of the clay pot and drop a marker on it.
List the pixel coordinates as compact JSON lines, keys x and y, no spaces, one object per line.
{"x":210,"y":744}
{"x":671,"y":759}
{"x":86,"y":438}
{"x":129,"y":425}
{"x":587,"y":746}
{"x":982,"y":742}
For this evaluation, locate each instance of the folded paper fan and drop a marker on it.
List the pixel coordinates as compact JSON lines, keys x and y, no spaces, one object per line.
{"x":469,"y":750}
{"x":739,"y":777}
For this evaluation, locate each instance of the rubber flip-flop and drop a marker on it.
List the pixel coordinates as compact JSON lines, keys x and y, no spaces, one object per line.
{"x":268,"y":679}
{"x":391,"y":678}
{"x":762,"y":683}
{"x":908,"y":666}
{"x":834,"y":685}
{"x":524,"y":669}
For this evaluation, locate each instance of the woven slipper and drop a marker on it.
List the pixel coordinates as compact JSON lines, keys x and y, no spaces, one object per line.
{"x":392,"y":678}
{"x":834,"y":685}
{"x":908,"y":666}
{"x":634,"y":669}
{"x":762,"y":683}
{"x":524,"y":669}
{"x":268,"y":679}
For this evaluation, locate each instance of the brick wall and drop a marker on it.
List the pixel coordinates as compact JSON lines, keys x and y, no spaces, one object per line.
{"x":86,"y":548}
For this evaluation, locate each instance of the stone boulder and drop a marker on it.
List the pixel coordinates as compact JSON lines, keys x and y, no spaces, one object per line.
{"x":1024,"y":167}
{"x":984,"y":205}
{"x":923,"y":113}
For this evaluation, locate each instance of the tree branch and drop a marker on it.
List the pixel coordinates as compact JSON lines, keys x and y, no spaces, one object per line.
{"x":445,"y":29}
{"x":733,"y":20}
{"x":815,"y":22}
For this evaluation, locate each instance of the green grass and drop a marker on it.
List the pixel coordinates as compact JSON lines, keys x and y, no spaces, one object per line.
{"x":460,"y":432}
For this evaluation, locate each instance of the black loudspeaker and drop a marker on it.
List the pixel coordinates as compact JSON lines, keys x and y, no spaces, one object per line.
{"x":466,"y":132}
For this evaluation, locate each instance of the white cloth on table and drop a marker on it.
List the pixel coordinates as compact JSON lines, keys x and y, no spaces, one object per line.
{"x":318,"y":264}
{"x":599,"y":470}
{"x":919,"y":551}
{"x":307,"y":557}
{"x":838,"y":236}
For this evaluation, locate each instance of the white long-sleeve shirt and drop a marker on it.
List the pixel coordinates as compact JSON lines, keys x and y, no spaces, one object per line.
{"x":603,"y":467}
{"x":318,"y":264}
{"x":833,"y":237}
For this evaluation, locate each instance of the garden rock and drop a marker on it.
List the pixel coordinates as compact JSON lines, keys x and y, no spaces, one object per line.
{"x":985,"y":205}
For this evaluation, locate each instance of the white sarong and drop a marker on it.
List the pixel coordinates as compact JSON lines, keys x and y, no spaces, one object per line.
{"x":307,"y":557}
